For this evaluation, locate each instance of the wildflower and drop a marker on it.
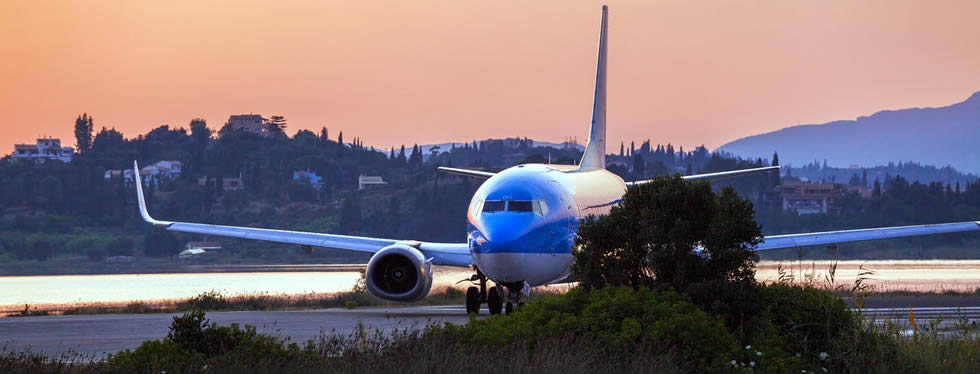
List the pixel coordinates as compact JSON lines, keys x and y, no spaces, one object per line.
{"x":752,"y":363}
{"x":734,"y":363}
{"x":798,"y":355}
{"x":748,"y":347}
{"x":824,"y":369}
{"x":824,"y":355}
{"x":757,"y":353}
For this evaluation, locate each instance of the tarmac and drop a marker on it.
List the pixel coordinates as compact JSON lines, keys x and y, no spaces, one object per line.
{"x":93,"y":336}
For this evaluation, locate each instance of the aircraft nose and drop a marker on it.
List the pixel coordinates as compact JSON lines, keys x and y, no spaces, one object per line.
{"x":506,"y":228}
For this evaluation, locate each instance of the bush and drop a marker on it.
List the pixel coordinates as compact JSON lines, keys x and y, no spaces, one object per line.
{"x":193,"y":344}
{"x":211,"y":300}
{"x":120,"y":247}
{"x":25,"y":224}
{"x":40,"y":247}
{"x":159,"y":242}
{"x":80,"y":245}
{"x":613,"y":318}
{"x":96,"y":253}
{"x":55,"y":224}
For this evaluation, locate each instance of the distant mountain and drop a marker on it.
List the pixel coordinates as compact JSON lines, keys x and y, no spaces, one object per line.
{"x":933,"y":136}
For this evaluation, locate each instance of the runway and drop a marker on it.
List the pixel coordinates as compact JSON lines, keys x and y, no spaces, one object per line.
{"x":96,"y":335}
{"x":93,"y":336}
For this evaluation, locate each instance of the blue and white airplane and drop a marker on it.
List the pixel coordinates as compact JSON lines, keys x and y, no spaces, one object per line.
{"x":521,"y":225}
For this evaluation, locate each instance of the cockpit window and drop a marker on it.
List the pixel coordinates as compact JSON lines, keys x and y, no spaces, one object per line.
{"x":491,"y":206}
{"x":519,"y":206}
{"x":540,"y":208}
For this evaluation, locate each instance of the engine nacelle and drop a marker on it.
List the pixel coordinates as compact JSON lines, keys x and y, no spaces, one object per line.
{"x":399,"y":273}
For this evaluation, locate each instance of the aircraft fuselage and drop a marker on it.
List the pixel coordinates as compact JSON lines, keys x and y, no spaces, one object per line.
{"x":522,"y":221}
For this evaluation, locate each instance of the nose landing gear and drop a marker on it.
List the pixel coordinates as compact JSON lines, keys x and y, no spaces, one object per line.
{"x":500,"y":298}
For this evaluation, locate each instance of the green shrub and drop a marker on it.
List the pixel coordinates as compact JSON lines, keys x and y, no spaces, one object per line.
{"x":96,"y":253}
{"x":194,"y":344}
{"x":120,"y":247}
{"x":611,"y":317}
{"x":80,"y":244}
{"x":211,"y":300}
{"x":25,"y":224}
{"x":40,"y":247}
{"x":55,"y":224}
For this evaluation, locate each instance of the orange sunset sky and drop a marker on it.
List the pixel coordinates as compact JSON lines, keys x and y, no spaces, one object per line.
{"x":404,"y":72}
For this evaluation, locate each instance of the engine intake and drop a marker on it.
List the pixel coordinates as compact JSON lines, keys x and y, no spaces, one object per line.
{"x":399,"y":273}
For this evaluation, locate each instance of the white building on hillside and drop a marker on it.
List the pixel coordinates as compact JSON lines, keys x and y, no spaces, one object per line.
{"x":45,"y":149}
{"x":152,"y":174}
{"x":367,"y":180}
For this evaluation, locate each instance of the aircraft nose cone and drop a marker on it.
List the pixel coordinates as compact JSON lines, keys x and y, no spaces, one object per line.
{"x":500,"y":233}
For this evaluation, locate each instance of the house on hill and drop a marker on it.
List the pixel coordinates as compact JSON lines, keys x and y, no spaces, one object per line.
{"x":368,"y":180}
{"x":45,"y":149}
{"x":810,"y":198}
{"x":227,"y":184}
{"x":253,"y":123}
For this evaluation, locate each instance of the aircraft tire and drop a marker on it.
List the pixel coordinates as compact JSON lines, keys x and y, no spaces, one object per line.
{"x":510,"y":308}
{"x":494,"y":300}
{"x":472,"y":300}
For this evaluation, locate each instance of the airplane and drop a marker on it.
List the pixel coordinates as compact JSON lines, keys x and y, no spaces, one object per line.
{"x":521,"y":225}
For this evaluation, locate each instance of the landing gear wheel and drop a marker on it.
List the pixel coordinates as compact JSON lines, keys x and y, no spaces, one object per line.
{"x":510,"y":308}
{"x":494,"y":300}
{"x":520,"y":304}
{"x":472,"y":300}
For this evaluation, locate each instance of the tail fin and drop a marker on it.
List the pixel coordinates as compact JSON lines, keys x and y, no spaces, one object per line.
{"x":594,"y":156}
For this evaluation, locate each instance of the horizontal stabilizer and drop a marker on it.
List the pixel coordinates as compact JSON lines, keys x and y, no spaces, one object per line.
{"x":467,"y":172}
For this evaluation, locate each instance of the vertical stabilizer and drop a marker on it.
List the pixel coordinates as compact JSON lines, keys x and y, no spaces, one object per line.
{"x":595,"y":150}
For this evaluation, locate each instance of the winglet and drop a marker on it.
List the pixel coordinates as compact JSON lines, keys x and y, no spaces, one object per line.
{"x":594,"y":156}
{"x":142,"y":201}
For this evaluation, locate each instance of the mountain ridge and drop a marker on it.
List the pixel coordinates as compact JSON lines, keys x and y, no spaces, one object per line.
{"x":938,"y":136}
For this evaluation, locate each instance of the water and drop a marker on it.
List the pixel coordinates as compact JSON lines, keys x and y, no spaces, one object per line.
{"x":933,"y":275}
{"x":64,"y":289}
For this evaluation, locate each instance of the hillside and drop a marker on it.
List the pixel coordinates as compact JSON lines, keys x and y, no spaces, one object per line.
{"x":933,"y":136}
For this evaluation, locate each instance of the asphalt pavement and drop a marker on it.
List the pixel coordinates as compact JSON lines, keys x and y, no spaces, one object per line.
{"x":96,"y":335}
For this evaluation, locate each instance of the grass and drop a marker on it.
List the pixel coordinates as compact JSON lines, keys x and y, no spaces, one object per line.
{"x":217,"y":301}
{"x":360,"y":351}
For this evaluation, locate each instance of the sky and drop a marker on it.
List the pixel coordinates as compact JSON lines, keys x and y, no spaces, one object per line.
{"x":433,"y":71}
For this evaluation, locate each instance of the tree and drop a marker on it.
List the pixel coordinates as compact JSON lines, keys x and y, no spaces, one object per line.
{"x":276,"y":126}
{"x":159,"y":242}
{"x":775,"y":159}
{"x":41,"y":248}
{"x":119,"y":247}
{"x":639,"y":166}
{"x":854,"y":181}
{"x":669,"y":232}
{"x":83,"y":133}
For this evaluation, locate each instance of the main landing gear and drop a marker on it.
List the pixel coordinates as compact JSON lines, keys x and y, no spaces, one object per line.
{"x":499,"y":298}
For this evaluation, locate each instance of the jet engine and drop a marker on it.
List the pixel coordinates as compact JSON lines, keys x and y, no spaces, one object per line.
{"x":399,"y":273}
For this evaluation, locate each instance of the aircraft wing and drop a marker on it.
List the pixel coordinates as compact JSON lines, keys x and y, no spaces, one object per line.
{"x":467,"y":172}
{"x":833,"y":237}
{"x":718,"y":175}
{"x":452,"y":254}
